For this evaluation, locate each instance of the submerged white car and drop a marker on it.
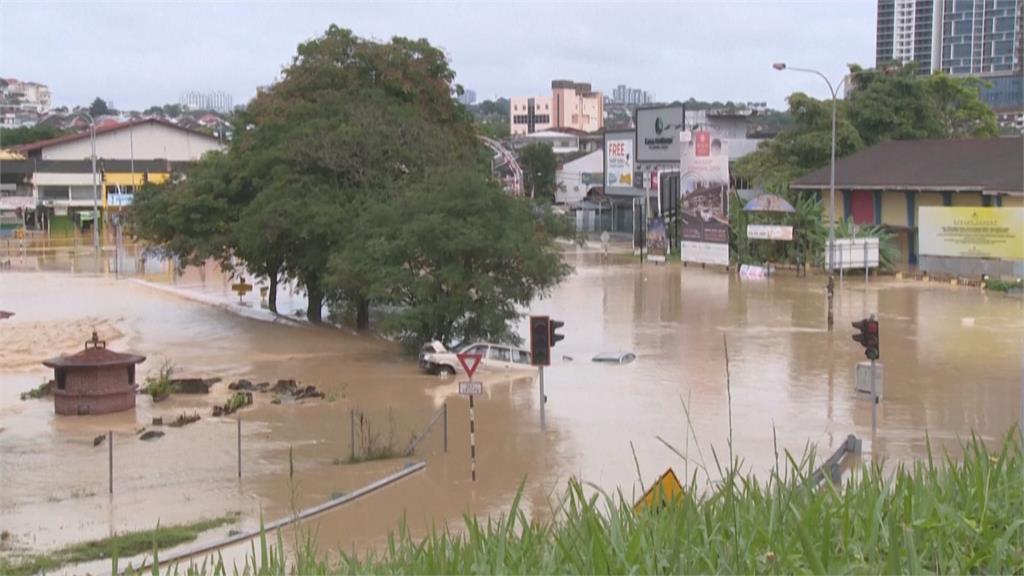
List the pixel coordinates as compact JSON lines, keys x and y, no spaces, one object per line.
{"x":436,"y":359}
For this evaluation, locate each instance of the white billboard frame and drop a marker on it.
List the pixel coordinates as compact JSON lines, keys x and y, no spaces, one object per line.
{"x":656,"y":145}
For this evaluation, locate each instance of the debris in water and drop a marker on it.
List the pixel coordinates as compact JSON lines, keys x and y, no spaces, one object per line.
{"x":193,"y":385}
{"x":244,"y":384}
{"x":99,"y":440}
{"x":151,"y":434}
{"x":41,"y":391}
{"x":184,"y":420}
{"x":237,"y":401}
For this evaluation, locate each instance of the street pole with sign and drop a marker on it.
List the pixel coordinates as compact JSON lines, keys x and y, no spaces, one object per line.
{"x":470,"y":362}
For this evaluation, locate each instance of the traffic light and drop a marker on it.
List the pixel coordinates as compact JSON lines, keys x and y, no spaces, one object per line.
{"x":554,"y":336}
{"x":868,"y":337}
{"x":540,"y":341}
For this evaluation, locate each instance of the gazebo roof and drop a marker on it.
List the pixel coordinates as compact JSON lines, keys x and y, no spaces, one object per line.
{"x":95,"y":355}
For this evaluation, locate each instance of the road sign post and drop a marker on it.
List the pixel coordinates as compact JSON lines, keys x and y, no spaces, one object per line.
{"x":472,"y":440}
{"x":470,"y":362}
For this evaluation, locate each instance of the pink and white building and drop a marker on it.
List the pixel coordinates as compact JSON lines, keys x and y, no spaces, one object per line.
{"x":571,"y":105}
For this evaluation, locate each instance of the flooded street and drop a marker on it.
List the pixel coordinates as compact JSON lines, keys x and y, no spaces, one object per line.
{"x":952,"y":360}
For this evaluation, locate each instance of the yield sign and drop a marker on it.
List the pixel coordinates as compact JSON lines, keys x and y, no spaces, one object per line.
{"x":469,"y":362}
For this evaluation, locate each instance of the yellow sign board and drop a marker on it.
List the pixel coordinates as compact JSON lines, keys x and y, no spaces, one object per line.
{"x":666,"y":488}
{"x":972,"y":232}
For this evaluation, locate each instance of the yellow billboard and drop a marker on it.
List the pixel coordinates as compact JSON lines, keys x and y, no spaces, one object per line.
{"x":972,"y":232}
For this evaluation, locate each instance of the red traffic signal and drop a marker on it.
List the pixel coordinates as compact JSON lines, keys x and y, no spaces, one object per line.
{"x":868,"y":337}
{"x":540,"y":341}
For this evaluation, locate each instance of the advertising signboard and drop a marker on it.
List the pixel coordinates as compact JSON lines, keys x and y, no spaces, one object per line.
{"x":657,"y":243}
{"x":619,"y":162}
{"x":972,"y":232}
{"x":766,"y":232}
{"x":657,"y":133}
{"x":704,"y":211}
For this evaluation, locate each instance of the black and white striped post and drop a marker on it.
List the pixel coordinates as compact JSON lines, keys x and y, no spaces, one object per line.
{"x":472,"y":440}
{"x":469,"y":364}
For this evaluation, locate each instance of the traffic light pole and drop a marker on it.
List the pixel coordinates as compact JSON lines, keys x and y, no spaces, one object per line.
{"x":543,"y":424}
{"x":874,"y":407}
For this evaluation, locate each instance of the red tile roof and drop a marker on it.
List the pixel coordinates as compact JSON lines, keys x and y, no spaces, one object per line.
{"x":103,"y":130}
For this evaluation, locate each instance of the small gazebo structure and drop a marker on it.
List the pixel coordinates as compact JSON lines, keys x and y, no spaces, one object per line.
{"x":95,"y":380}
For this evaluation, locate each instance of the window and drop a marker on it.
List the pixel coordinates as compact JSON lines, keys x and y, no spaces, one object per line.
{"x":82,"y":193}
{"x":520,"y":356}
{"x":499,"y":353}
{"x":131,"y":375}
{"x":480,"y":349}
{"x":53,"y":192}
{"x":62,"y":378}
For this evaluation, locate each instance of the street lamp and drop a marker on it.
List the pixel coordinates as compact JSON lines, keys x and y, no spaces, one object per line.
{"x":780,"y":66}
{"x":95,"y":185}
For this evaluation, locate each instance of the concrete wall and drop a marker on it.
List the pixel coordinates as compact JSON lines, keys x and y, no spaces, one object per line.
{"x":146,"y":142}
{"x":929,"y":199}
{"x":894,"y":209}
{"x":967,"y":199}
{"x":971,"y":267}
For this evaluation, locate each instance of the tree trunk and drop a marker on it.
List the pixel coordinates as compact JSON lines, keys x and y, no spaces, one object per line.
{"x":315,"y":295}
{"x":362,"y":314}
{"x":272,"y":296}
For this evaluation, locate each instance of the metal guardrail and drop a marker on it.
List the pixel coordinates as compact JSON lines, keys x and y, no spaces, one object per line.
{"x":833,"y":467}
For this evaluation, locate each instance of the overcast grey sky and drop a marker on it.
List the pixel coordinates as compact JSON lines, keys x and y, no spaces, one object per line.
{"x":137,"y":54}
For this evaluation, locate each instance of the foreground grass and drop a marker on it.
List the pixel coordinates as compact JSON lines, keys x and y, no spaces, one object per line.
{"x":963,"y":516}
{"x":122,"y":545}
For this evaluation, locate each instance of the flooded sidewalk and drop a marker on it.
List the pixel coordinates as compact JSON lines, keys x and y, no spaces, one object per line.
{"x":951,"y":355}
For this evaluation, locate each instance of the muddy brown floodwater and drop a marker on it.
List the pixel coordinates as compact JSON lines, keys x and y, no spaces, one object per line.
{"x":952,"y":361}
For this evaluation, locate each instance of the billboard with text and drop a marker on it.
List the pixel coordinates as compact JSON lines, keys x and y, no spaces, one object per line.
{"x":658,"y":132}
{"x":704,"y":207}
{"x":972,"y":232}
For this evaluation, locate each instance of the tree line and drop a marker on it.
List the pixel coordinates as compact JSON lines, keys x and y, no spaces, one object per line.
{"x":358,"y":177}
{"x":890,"y":104}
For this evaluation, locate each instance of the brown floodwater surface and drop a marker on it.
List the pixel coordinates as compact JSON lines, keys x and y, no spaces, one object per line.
{"x":952,"y":360}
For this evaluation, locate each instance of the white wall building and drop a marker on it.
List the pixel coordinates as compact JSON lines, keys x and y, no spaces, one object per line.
{"x":148,"y":139}
{"x":574,"y":179}
{"x":560,"y":142}
{"x":27,"y":95}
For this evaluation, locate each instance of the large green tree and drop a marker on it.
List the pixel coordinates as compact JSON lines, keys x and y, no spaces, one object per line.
{"x":328,"y":170}
{"x":99,"y":107}
{"x":456,"y":258}
{"x":539,"y":165}
{"x":891,"y":104}
{"x":28,"y":134}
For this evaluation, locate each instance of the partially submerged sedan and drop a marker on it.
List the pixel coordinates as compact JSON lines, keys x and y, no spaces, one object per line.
{"x":620,"y":357}
{"x":436,"y":359}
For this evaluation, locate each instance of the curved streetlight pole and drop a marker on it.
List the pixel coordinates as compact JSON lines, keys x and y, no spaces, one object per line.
{"x":832,"y":179}
{"x":832,"y":176}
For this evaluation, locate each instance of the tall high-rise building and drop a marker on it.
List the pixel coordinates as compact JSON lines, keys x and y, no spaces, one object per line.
{"x":981,"y":36}
{"x":625,"y":95}
{"x":905,"y":32}
{"x":962,"y":37}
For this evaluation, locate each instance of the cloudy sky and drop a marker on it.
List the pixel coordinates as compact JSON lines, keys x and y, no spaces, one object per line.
{"x":137,"y":54}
